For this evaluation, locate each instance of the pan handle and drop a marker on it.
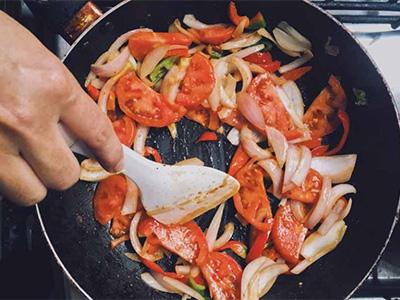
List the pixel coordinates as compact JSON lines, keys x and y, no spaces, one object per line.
{"x":66,"y":17}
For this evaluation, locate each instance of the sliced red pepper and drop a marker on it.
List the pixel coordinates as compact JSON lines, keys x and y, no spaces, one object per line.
{"x":237,"y":247}
{"x":271,"y":67}
{"x":320,"y":150}
{"x":258,"y":246}
{"x":239,"y":160}
{"x":345,"y":120}
{"x":234,"y":17}
{"x":153,"y":152}
{"x":296,"y":73}
{"x":207,"y":137}
{"x":215,"y":35}
{"x":156,"y":268}
{"x":313,"y":143}
{"x":271,"y":253}
{"x":260,"y":58}
{"x":182,"y":52}
{"x":93,"y":92}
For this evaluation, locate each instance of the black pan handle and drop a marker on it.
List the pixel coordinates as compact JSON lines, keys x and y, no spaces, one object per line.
{"x":69,"y":18}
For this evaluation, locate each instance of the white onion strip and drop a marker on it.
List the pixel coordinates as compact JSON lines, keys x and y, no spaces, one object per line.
{"x":245,"y":40}
{"x":234,"y":137}
{"x":338,"y":167}
{"x":196,"y":49}
{"x":220,"y":70}
{"x":226,"y":236}
{"x":153,"y":283}
{"x":292,"y":161}
{"x":101,"y":60}
{"x":185,"y":289}
{"x":212,"y":230}
{"x":245,"y":52}
{"x":140,"y":139}
{"x":292,"y":91}
{"x":131,"y":198}
{"x":295,"y":34}
{"x":338,"y":192}
{"x":289,"y":106}
{"x":271,"y":167}
{"x":303,"y":167}
{"x":190,"y":21}
{"x":113,"y":67}
{"x":133,"y":233}
{"x":249,"y":272}
{"x":244,"y":71}
{"x":299,"y":210}
{"x":171,"y":82}
{"x":268,"y":276}
{"x":92,"y":171}
{"x":184,"y":270}
{"x":286,"y":41}
{"x":250,"y":109}
{"x":279,"y":143}
{"x":333,"y":217}
{"x":319,"y":208}
{"x":297,"y":62}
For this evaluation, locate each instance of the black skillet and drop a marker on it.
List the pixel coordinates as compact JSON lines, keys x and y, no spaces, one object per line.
{"x":82,"y":246}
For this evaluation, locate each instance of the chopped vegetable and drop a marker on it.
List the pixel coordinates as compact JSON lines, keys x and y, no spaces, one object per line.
{"x":93,"y":92}
{"x":237,"y":247}
{"x":153,"y":152}
{"x":258,"y":245}
{"x":156,"y":268}
{"x":361,"y":97}
{"x":208,"y":136}
{"x":296,"y":73}
{"x":235,"y":18}
{"x":257,"y":22}
{"x":162,"y":68}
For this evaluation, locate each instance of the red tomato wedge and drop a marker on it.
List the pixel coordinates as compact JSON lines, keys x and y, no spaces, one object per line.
{"x":93,"y":92}
{"x":235,"y":119}
{"x":214,"y":35}
{"x":223,"y":275}
{"x":207,"y":137}
{"x":308,"y":192}
{"x":239,"y":160}
{"x":234,"y":16}
{"x":187,"y":240}
{"x":237,"y":247}
{"x":198,"y":83}
{"x":252,"y":202}
{"x":288,"y":234}
{"x":321,"y":117}
{"x":153,"y":152}
{"x":296,"y":73}
{"x":125,"y":130}
{"x":260,"y":58}
{"x":142,"y":43}
{"x":144,"y":105}
{"x":109,"y":198}
{"x":262,"y":90}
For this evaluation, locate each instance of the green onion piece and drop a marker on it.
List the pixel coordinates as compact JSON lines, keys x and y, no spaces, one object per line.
{"x":267,"y":45}
{"x":196,"y":286}
{"x":215,"y":54}
{"x":257,"y":22}
{"x":361,"y":97}
{"x":162,"y":68}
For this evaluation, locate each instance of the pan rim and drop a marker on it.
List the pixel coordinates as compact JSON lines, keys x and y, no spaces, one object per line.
{"x":372,"y":61}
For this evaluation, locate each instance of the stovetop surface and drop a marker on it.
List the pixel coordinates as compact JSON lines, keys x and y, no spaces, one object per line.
{"x":23,"y":250}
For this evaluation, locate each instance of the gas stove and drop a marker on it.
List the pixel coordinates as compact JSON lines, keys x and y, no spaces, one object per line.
{"x":23,"y":250}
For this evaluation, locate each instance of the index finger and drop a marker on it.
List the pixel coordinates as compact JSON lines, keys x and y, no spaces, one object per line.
{"x":90,"y":125}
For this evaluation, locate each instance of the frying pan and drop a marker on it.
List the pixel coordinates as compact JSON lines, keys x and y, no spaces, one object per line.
{"x":82,"y":246}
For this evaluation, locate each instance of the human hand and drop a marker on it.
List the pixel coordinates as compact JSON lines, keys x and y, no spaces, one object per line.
{"x":37,"y":92}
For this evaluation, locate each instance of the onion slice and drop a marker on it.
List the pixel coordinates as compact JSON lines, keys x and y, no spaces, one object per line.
{"x":212,"y":230}
{"x":245,"y":40}
{"x":249,"y":272}
{"x":140,"y":139}
{"x":299,"y":210}
{"x":133,"y":233}
{"x":268,"y":276}
{"x":100,"y":60}
{"x":338,"y":192}
{"x":244,"y":71}
{"x":319,"y":208}
{"x":131,"y":198}
{"x":292,"y":91}
{"x":233,"y":137}
{"x":289,"y":106}
{"x":190,"y":21}
{"x":339,"y":167}
{"x":297,"y":62}
{"x":286,"y":41}
{"x":171,"y":82}
{"x":271,"y":167}
{"x":303,"y":167}
{"x":181,"y":287}
{"x":250,"y":109}
{"x":245,"y":52}
{"x":295,"y":34}
{"x":333,"y":217}
{"x":220,"y":70}
{"x":153,"y":283}
{"x":278,"y":142}
{"x":317,"y":245}
{"x":113,"y":67}
{"x":92,"y":171}
{"x":226,"y":236}
{"x":292,"y":161}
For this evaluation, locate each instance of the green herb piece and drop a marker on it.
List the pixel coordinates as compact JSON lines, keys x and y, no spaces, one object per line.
{"x":361,"y":97}
{"x":162,"y":68}
{"x":257,"y":22}
{"x":215,"y":54}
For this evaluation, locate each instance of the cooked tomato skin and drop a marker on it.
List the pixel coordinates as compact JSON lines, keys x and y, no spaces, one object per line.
{"x":125,"y":129}
{"x":109,"y":198}
{"x":213,"y":35}
{"x":144,"y":105}
{"x":223,"y":275}
{"x":308,"y":192}
{"x":198,"y":82}
{"x":288,"y":234}
{"x":141,"y":43}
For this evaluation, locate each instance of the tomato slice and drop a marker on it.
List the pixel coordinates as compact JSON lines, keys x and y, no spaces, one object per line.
{"x":207,"y":137}
{"x":214,"y":35}
{"x":187,"y":240}
{"x":258,"y":245}
{"x":142,"y":43}
{"x":234,"y":16}
{"x":184,"y":52}
{"x":251,"y":202}
{"x":93,"y":92}
{"x":125,"y":130}
{"x":237,"y":247}
{"x":288,"y":234}
{"x":198,"y":83}
{"x":144,"y":105}
{"x":321,"y":117}
{"x":235,"y":119}
{"x":271,"y":67}
{"x":223,"y":275}
{"x":308,"y":192}
{"x":260,"y":58}
{"x":275,"y":114}
{"x":153,"y":152}
{"x":239,"y":160}
{"x":296,"y":73}
{"x":109,"y":198}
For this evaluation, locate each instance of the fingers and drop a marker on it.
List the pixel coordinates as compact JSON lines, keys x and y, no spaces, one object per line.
{"x":18,"y":182}
{"x":51,"y":159}
{"x":91,"y":126}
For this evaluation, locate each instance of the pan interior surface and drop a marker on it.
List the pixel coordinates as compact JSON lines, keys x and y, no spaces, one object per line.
{"x":83,"y":245}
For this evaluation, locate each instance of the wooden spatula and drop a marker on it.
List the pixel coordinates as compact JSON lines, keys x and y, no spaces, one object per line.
{"x":174,"y":194}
